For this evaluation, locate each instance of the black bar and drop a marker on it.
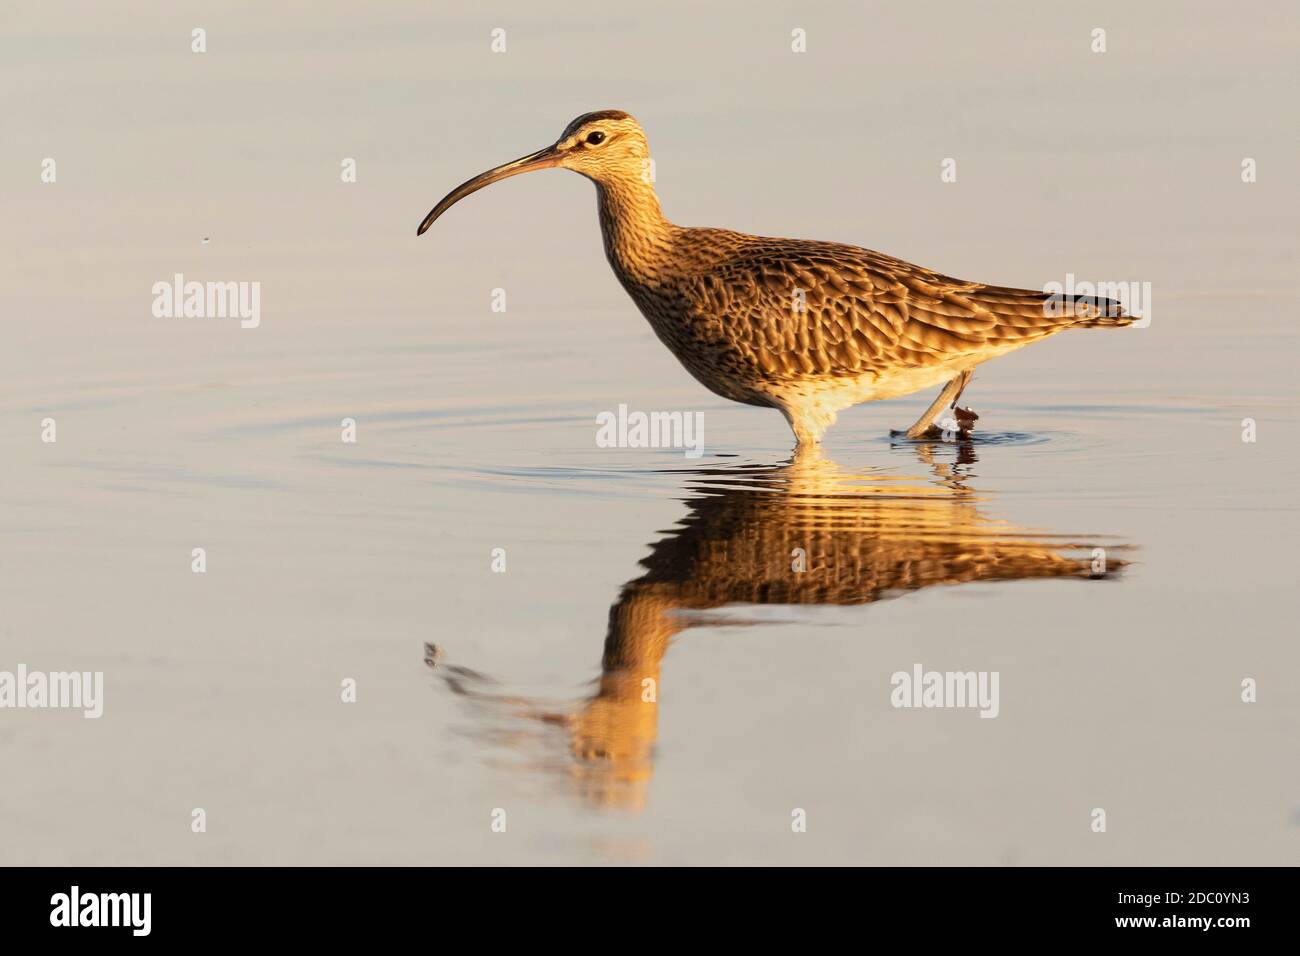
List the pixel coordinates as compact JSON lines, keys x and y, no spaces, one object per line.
{"x":210,"y":905}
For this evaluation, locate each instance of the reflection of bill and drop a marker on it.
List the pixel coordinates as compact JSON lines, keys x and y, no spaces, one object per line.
{"x":802,"y":533}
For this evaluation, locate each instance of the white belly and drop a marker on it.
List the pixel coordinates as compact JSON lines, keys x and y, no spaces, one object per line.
{"x":810,"y":406}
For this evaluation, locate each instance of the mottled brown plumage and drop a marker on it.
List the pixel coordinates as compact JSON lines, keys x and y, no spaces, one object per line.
{"x":806,"y":327}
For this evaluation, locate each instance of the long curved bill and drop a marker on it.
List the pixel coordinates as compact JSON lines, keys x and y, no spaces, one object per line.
{"x":542,"y":159}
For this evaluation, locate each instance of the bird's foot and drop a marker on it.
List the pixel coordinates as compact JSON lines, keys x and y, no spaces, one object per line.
{"x":959,"y":425}
{"x":966,"y":419}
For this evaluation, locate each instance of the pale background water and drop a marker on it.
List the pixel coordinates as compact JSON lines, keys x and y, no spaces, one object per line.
{"x":476,"y":431}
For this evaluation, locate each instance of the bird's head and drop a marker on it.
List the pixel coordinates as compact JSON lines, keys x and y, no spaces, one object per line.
{"x":607,"y":146}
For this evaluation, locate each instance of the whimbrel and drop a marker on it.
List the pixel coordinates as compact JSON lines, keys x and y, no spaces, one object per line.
{"x":806,"y":327}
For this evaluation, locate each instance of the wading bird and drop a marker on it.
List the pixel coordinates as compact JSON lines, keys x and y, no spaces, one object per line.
{"x":806,"y":327}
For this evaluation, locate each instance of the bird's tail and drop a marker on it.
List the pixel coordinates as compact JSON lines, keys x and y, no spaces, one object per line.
{"x":1091,"y":312}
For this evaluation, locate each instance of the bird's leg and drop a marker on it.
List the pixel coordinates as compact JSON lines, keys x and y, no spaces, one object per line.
{"x":806,"y":437}
{"x":964,"y":380}
{"x":924,"y":427}
{"x":808,"y":422}
{"x":966,"y":417}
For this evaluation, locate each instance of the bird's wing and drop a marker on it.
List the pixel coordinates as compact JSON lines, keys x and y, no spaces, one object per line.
{"x":809,"y":308}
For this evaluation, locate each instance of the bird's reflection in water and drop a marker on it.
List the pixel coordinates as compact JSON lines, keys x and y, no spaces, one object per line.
{"x":800,"y":533}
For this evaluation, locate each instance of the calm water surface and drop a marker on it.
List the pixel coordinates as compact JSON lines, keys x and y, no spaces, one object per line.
{"x":525,"y":690}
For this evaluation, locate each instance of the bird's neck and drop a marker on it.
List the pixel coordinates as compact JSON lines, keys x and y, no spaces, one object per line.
{"x":638,"y":239}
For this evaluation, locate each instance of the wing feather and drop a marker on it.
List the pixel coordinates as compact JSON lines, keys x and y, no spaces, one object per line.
{"x":812,"y":308}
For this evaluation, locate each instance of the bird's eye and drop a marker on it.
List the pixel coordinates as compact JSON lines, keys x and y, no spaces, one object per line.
{"x":596,"y":138}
